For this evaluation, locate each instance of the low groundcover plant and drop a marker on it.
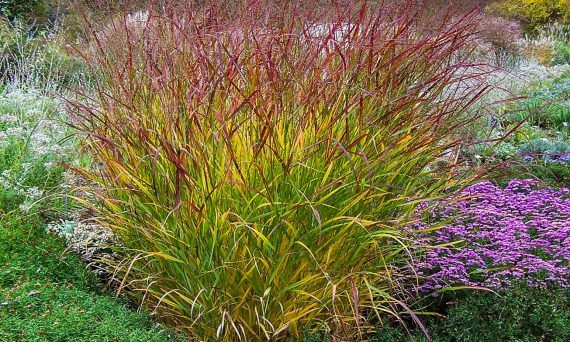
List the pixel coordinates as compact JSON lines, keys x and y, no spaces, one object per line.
{"x":259,"y":164}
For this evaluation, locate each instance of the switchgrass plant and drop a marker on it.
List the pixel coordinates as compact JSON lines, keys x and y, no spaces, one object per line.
{"x":258,"y":166}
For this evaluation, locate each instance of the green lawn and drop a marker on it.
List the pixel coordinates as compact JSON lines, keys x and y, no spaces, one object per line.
{"x":47,"y":294}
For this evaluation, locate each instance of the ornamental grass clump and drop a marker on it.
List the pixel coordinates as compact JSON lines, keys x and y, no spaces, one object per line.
{"x":258,"y":166}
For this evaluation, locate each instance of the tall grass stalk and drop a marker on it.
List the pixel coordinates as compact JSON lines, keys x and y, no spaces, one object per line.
{"x":37,"y":60}
{"x":259,"y":166}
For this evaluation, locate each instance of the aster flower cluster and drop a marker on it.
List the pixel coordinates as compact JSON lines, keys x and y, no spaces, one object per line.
{"x":497,"y":236}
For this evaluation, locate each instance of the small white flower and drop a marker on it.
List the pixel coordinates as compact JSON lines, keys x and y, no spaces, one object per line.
{"x":34,"y":113}
{"x":8,"y":118}
{"x":5,"y":183}
{"x":565,"y":124}
{"x":34,"y":193}
{"x":477,"y":156}
{"x":49,"y":165}
{"x":41,"y":144}
{"x":14,"y":131}
{"x":24,"y":207}
{"x":26,"y":166}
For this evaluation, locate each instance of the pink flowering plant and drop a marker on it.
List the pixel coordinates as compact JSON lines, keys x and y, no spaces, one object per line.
{"x":494,"y":237}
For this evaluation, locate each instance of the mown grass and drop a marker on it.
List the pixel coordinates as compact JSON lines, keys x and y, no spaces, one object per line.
{"x":47,"y":294}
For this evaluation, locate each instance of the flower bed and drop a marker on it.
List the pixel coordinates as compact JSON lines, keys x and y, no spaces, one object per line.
{"x":519,"y":233}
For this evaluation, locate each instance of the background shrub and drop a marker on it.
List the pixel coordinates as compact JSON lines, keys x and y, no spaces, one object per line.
{"x":503,"y":36}
{"x":25,"y":9}
{"x":533,"y":13}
